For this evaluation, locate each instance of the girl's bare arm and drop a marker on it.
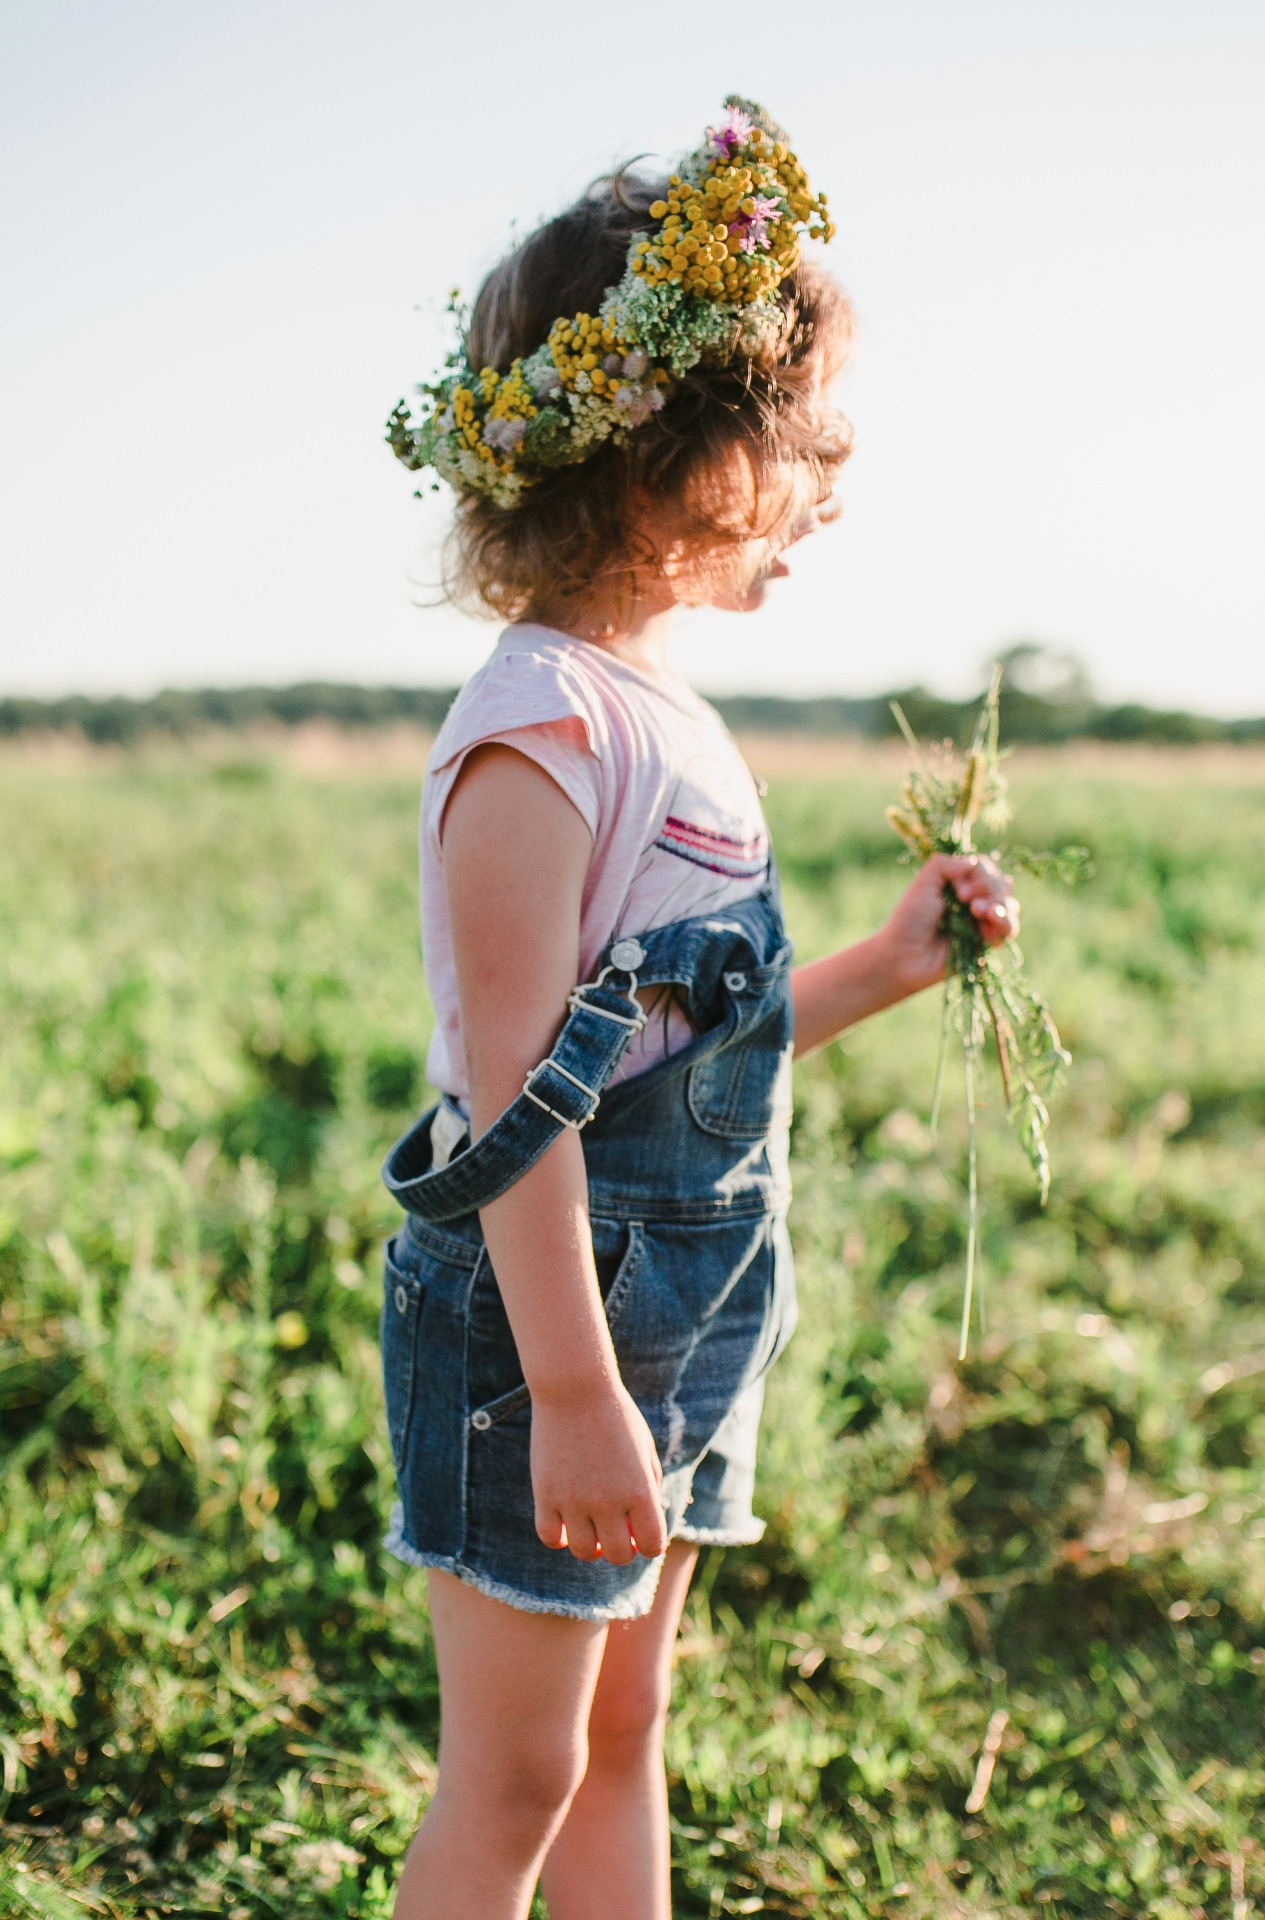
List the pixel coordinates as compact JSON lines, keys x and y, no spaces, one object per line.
{"x":516,"y":853}
{"x":905,"y":955}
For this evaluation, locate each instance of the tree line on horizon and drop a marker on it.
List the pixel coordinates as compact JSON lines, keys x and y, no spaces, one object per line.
{"x":1047,"y":699}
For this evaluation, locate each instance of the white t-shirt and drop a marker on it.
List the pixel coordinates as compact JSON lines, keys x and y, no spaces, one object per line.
{"x":674,"y":812}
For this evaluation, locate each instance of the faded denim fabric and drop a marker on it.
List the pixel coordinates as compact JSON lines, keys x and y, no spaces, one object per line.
{"x":688,"y":1189}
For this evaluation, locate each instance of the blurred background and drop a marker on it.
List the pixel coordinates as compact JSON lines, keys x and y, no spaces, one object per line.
{"x":229,"y":234}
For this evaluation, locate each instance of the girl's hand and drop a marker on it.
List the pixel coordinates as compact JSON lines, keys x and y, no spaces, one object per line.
{"x":908,"y":954}
{"x":917,"y":949}
{"x":595,"y":1475}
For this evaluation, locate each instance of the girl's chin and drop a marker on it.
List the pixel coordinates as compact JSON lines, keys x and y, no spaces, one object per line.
{"x":755,"y":596}
{"x":745,"y":599}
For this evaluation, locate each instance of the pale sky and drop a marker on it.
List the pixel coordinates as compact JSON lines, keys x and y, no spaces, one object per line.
{"x":227,"y":234}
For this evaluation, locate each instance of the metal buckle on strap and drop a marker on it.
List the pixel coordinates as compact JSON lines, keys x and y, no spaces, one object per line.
{"x":576,"y":999}
{"x":544,"y":1106}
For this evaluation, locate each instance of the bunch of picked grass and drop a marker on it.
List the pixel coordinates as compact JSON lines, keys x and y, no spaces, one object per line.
{"x":945,"y":800}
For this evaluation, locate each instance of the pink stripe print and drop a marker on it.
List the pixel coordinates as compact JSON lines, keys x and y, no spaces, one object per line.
{"x":738,"y":859}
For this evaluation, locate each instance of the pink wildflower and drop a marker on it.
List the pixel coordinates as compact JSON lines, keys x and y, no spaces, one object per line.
{"x":752,"y":228}
{"x":736,"y":129}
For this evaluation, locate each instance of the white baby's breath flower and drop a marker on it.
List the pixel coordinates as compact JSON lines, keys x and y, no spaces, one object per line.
{"x":323,"y":1863}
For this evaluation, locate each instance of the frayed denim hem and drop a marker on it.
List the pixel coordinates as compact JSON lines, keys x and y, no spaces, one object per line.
{"x":396,"y":1544}
{"x":720,"y":1536}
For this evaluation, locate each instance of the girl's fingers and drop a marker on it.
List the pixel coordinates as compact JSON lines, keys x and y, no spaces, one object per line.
{"x":617,"y":1544}
{"x":583,"y":1541}
{"x":996,"y":887}
{"x":999,"y":919}
{"x":980,"y":879}
{"x":981,"y":885}
{"x":641,"y":1529}
{"x":617,"y":1537}
{"x":959,"y":866}
{"x":648,"y":1528}
{"x":550,"y":1529}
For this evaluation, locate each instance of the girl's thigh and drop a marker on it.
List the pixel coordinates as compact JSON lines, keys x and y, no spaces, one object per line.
{"x":515,"y":1686}
{"x":635,"y":1681}
{"x":523,"y":1687}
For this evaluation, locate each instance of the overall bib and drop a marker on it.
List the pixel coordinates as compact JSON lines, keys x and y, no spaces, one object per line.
{"x":688,"y":1190}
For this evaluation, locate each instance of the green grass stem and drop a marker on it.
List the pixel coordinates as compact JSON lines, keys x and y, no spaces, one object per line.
{"x":972,"y":1207}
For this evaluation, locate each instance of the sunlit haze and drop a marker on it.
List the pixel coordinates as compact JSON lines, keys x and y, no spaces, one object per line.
{"x":228,"y":234}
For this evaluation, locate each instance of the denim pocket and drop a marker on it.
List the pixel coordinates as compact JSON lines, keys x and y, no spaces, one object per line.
{"x":402,"y":1301}
{"x":731,"y":1094}
{"x":425,"y":1298}
{"x":497,"y":1410}
{"x":616,"y":1295}
{"x":625,"y":1259}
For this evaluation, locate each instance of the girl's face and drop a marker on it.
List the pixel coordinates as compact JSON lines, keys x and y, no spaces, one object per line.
{"x":762,"y":561}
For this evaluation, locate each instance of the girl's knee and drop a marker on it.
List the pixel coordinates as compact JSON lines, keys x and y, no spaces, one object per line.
{"x":532,"y":1788}
{"x":627,"y":1720}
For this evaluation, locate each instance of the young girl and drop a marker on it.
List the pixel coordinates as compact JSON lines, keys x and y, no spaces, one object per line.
{"x":594,"y":1275}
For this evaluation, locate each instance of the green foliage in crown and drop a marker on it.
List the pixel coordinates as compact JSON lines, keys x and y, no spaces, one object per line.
{"x":699,"y":287}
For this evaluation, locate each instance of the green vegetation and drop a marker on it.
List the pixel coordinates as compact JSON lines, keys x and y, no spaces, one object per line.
{"x":218,"y":1693}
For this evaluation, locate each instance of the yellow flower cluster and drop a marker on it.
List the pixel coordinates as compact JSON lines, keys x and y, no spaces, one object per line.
{"x":464,"y":416}
{"x":505,"y":399}
{"x":511,"y":397}
{"x":580,"y":346}
{"x":587,"y":345}
{"x":700,"y":242}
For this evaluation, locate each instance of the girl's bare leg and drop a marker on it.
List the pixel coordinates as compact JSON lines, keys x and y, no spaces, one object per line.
{"x":611,"y":1856}
{"x":516,"y":1692}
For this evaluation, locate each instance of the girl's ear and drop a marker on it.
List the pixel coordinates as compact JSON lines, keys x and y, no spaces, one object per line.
{"x":657,"y":541}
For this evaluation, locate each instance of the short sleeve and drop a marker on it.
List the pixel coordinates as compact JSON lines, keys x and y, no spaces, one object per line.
{"x":526,"y":702}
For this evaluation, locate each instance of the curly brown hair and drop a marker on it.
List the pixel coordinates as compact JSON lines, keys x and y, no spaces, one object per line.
{"x":737,"y":455}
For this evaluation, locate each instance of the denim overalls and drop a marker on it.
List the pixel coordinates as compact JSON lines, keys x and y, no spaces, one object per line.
{"x":688,"y":1190}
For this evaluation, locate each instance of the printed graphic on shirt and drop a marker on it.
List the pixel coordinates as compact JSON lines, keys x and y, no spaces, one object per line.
{"x":714,"y":820}
{"x":718,"y":852}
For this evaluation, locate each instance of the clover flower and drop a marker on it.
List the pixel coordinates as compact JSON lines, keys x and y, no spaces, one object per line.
{"x":639,"y":404}
{"x":505,"y":435}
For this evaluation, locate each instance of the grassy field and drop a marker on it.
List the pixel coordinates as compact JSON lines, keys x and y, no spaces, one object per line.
{"x":218,"y":1693}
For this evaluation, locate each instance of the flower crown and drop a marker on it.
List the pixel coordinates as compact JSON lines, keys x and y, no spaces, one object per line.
{"x":700,"y":287}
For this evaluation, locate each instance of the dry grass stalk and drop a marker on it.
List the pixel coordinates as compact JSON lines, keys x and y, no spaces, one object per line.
{"x":988,"y":1760}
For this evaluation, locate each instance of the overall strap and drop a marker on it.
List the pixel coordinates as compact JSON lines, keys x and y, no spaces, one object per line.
{"x":563,"y":1091}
